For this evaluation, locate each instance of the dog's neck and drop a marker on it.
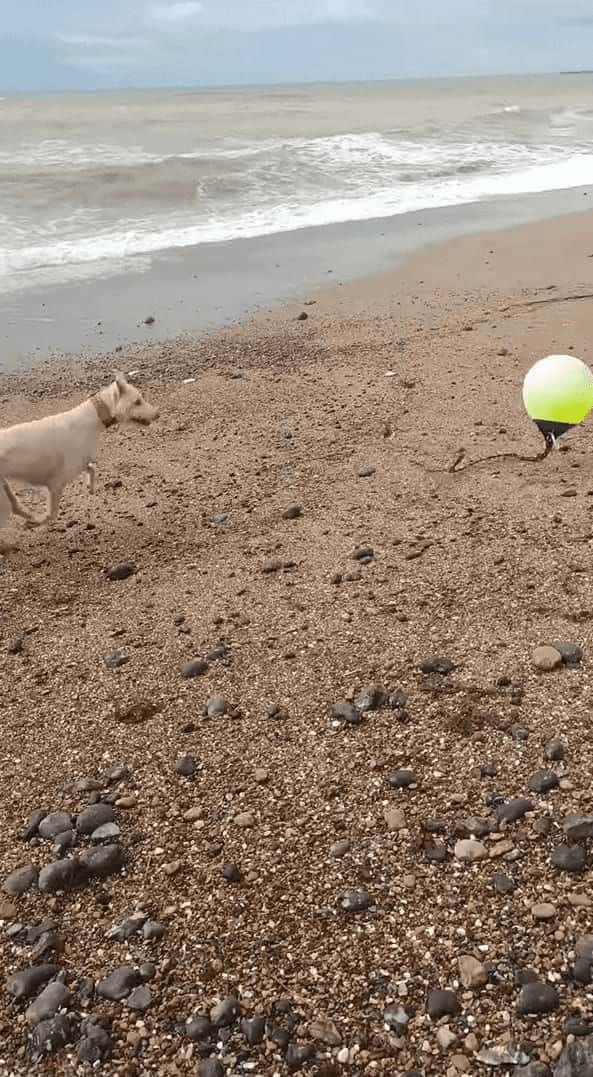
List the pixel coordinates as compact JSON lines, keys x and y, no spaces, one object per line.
{"x":104,"y":413}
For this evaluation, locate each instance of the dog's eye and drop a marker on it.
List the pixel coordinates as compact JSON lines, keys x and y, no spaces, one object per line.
{"x":138,"y":401}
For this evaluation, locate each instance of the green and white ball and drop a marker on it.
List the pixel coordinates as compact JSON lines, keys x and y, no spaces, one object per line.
{"x":558,"y":391}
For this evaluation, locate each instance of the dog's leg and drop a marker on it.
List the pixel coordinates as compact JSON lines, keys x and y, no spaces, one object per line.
{"x":5,"y":512}
{"x":54,"y":493}
{"x":17,"y":508}
{"x":91,"y":472}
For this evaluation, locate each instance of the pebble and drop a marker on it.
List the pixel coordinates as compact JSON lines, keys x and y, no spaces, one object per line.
{"x":402,"y":779}
{"x":131,"y":926}
{"x":443,"y":666}
{"x":193,"y":814}
{"x":578,"y":827}
{"x":261,"y":776}
{"x":253,"y":1028}
{"x":199,"y":1028}
{"x":578,"y":901}
{"x":503,"y":884}
{"x":339,"y":849}
{"x":569,"y":858}
{"x":292,"y":512}
{"x":509,"y":1054}
{"x":546,"y":659}
{"x":231,"y":873}
{"x":116,"y":661}
{"x":152,"y":929}
{"x":56,"y":877}
{"x":194,"y":668}
{"x":576,"y":1059}
{"x":96,"y":1044}
{"x":446,"y":1038}
{"x":139,"y":999}
{"x":470,"y":851}
{"x":54,"y":997}
{"x":363,"y":553}
{"x":52,"y":1035}
{"x":104,"y":860}
{"x":32,"y":825}
{"x":129,"y":801}
{"x":555,"y":750}
{"x":118,"y":984}
{"x":20,"y":880}
{"x":297,"y":1054}
{"x":106,"y":832}
{"x":356,"y":901}
{"x":245,"y":819}
{"x":94,"y":816}
{"x":533,"y":1069}
{"x":543,"y":781}
{"x":216,"y":707}
{"x":441,"y":1003}
{"x":346,"y":713}
{"x":225,"y":1012}
{"x":211,"y":1067}
{"x":366,"y":472}
{"x":513,"y":809}
{"x":54,"y":823}
{"x":121,"y":572}
{"x":62,"y":843}
{"x":538,"y":997}
{"x":370,"y":699}
{"x":571,"y":653}
{"x":543,"y":911}
{"x":25,"y":983}
{"x":472,"y":972}
{"x":186,"y":766}
{"x":7,"y":910}
{"x":394,"y":818}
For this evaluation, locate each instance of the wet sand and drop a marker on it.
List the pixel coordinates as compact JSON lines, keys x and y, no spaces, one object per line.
{"x":353,"y":416}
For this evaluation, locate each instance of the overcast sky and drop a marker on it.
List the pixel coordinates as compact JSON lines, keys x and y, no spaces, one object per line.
{"x":69,"y":44}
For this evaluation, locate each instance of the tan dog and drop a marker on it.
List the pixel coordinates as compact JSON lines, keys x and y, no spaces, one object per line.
{"x":51,"y":452}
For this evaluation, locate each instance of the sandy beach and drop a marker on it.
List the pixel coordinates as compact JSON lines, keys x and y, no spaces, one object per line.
{"x":291,"y":523}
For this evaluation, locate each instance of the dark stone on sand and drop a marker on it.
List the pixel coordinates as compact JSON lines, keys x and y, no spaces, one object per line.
{"x":117,"y":774}
{"x":15,"y":646}
{"x":218,"y":653}
{"x":578,"y":827}
{"x":369,"y":699}
{"x":121,"y":572}
{"x":514,"y":809}
{"x":584,"y":947}
{"x":118,"y":984}
{"x":303,"y":316}
{"x":211,"y":1067}
{"x":363,"y":553}
{"x":437,"y":853}
{"x":533,"y":1069}
{"x":231,"y":873}
{"x":96,"y":1044}
{"x":62,"y":843}
{"x":569,"y":858}
{"x":48,"y":943}
{"x":23,"y":984}
{"x":576,"y":1059}
{"x":519,"y":732}
{"x":253,"y":1028}
{"x":346,"y":713}
{"x":503,"y":884}
{"x":20,"y":880}
{"x":488,"y":770}
{"x":275,"y":565}
{"x":32,"y":825}
{"x":57,"y":876}
{"x":54,"y":997}
{"x":52,"y":1035}
{"x":147,"y":971}
{"x":186,"y":766}
{"x":94,"y":816}
{"x":292,"y":512}
{"x":538,"y":997}
{"x":441,"y":1003}
{"x":395,"y":701}
{"x":582,"y":970}
{"x":298,"y":1054}
{"x":356,"y":901}
{"x":153,"y":929}
{"x":150,"y":320}
{"x":132,"y":926}
{"x":543,"y":781}
{"x":366,"y":472}
{"x":577,"y":1026}
{"x":198,"y":1028}
{"x":106,"y":832}
{"x":402,"y":779}
{"x":225,"y":1012}
{"x":396,"y":1018}
{"x":116,"y":661}
{"x":104,"y":860}
{"x":194,"y":668}
{"x":54,"y":823}
{"x":555,"y":750}
{"x":571,"y":653}
{"x":139,"y":999}
{"x":436,"y":665}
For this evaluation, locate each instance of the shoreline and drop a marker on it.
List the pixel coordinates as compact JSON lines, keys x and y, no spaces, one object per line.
{"x":193,"y":291}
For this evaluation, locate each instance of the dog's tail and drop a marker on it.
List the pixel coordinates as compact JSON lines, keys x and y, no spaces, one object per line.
{"x":15,"y":504}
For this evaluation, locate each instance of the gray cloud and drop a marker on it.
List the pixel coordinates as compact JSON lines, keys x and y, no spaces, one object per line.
{"x":196,"y":42}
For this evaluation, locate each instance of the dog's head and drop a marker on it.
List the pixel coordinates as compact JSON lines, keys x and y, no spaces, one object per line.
{"x":128,"y":404}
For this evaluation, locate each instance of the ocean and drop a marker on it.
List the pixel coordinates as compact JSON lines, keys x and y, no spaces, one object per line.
{"x":92,"y":184}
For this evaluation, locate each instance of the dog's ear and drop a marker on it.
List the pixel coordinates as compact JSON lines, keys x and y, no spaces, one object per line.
{"x":121,"y":381}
